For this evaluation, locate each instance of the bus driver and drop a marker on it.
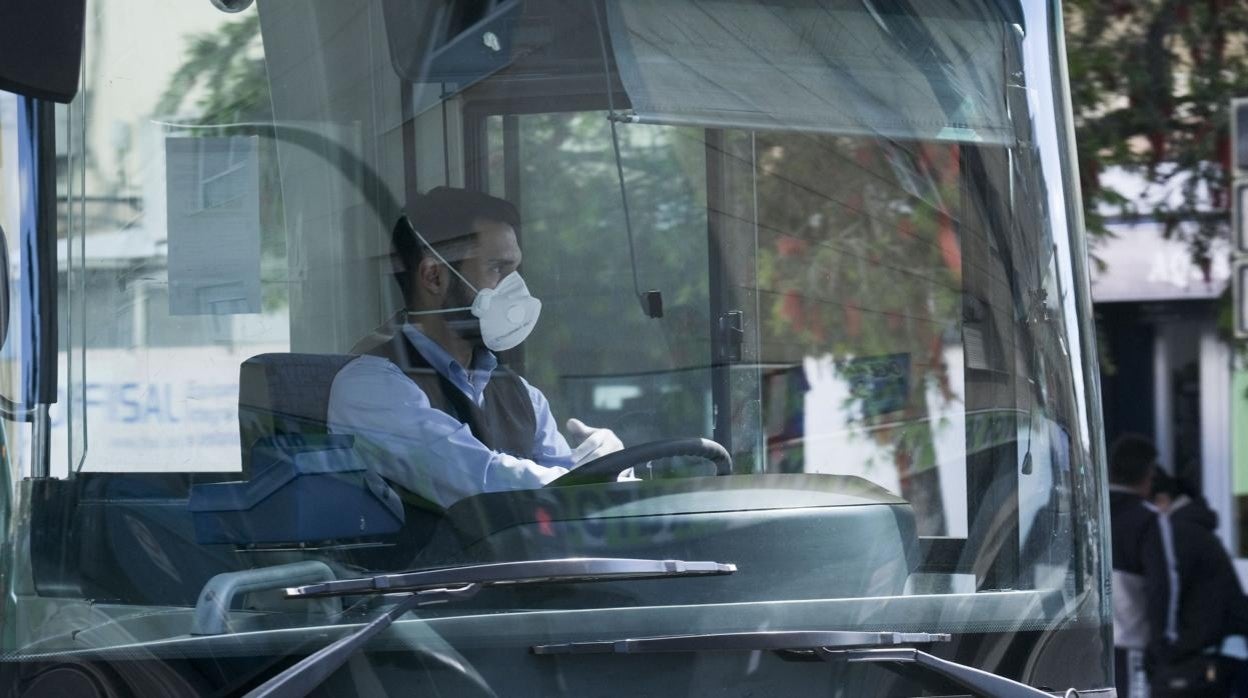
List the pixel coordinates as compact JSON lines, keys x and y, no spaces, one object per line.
{"x":427,"y":394}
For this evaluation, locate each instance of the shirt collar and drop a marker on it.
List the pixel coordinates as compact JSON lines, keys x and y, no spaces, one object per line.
{"x":483,"y":360}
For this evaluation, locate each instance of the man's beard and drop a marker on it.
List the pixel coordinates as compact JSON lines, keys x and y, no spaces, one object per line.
{"x":461,"y":322}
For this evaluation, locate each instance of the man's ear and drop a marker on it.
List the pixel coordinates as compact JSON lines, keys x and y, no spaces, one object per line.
{"x":431,"y":276}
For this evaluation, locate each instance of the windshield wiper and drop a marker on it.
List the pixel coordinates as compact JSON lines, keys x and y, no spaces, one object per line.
{"x":828,"y":645}
{"x":425,"y":587}
{"x":308,"y":673}
{"x":564,"y":570}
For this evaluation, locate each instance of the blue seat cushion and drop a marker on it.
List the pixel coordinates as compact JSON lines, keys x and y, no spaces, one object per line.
{"x":303,"y":489}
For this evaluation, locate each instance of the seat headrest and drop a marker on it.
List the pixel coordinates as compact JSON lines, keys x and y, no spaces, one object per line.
{"x":285,"y":394}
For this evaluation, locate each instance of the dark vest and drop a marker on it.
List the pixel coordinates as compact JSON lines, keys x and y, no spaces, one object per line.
{"x":505,"y":423}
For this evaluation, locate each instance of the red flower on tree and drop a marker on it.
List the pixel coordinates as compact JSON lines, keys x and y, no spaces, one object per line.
{"x":853,"y":319}
{"x":790,"y":246}
{"x":950,"y":247}
{"x":791,"y":308}
{"x":905,"y":226}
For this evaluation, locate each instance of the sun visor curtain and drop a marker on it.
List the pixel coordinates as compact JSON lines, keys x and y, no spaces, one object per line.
{"x":816,"y":65}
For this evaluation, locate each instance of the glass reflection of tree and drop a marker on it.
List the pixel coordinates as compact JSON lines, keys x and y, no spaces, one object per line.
{"x":860,"y":258}
{"x":576,"y":249}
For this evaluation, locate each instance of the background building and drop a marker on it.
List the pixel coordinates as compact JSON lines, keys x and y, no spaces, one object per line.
{"x":1169,"y":370}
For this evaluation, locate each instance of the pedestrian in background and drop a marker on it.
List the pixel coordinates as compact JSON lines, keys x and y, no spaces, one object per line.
{"x":1211,"y":604}
{"x":1144,"y":591}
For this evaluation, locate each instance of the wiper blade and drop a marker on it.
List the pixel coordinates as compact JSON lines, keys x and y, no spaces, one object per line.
{"x":983,"y":682}
{"x":425,"y":587}
{"x":575,"y":569}
{"x":778,"y":640}
{"x":828,"y":645}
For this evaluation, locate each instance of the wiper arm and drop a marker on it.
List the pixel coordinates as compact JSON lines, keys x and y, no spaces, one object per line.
{"x":300,"y":678}
{"x":574,"y":569}
{"x":829,"y":645}
{"x":425,"y":587}
{"x":983,"y":682}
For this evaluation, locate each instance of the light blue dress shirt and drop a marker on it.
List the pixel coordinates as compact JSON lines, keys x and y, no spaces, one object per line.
{"x":425,"y":450}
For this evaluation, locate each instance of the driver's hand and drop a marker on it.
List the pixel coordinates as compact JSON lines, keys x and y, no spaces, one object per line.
{"x":595,"y":443}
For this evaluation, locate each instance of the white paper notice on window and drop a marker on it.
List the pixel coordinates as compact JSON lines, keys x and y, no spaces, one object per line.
{"x":214,"y":225}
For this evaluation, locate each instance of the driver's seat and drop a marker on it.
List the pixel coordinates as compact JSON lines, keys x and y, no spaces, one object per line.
{"x":284,"y":394}
{"x":302,"y":484}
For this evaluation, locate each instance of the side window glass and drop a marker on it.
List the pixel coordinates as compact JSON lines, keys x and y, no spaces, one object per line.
{"x":12,"y":385}
{"x":657,"y":385}
{"x":173,"y":269}
{"x":19,"y":392}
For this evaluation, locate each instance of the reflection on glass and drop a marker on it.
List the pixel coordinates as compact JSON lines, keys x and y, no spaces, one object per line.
{"x":801,"y":310}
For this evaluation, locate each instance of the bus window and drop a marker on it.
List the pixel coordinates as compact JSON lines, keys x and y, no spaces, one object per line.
{"x":659,"y":385}
{"x":183,"y":273}
{"x":27,"y":339}
{"x":702,"y":318}
{"x":13,"y":393}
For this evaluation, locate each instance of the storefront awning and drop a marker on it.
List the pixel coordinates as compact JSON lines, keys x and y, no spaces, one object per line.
{"x":1141,"y":264}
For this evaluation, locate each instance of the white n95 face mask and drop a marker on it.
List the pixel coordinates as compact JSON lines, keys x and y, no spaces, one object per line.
{"x":507,"y":312}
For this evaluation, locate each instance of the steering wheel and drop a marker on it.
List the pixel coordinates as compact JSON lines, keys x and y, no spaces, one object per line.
{"x":608,"y":467}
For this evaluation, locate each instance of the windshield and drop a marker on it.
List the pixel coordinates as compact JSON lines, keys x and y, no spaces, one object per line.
{"x":373,"y":286}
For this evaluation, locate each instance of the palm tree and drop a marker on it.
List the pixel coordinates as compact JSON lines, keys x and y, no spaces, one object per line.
{"x":225,"y":72}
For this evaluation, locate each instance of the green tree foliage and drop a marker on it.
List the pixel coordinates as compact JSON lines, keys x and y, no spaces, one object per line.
{"x":576,"y":248}
{"x":860,"y":260}
{"x":223,"y":78}
{"x":1151,"y":84}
